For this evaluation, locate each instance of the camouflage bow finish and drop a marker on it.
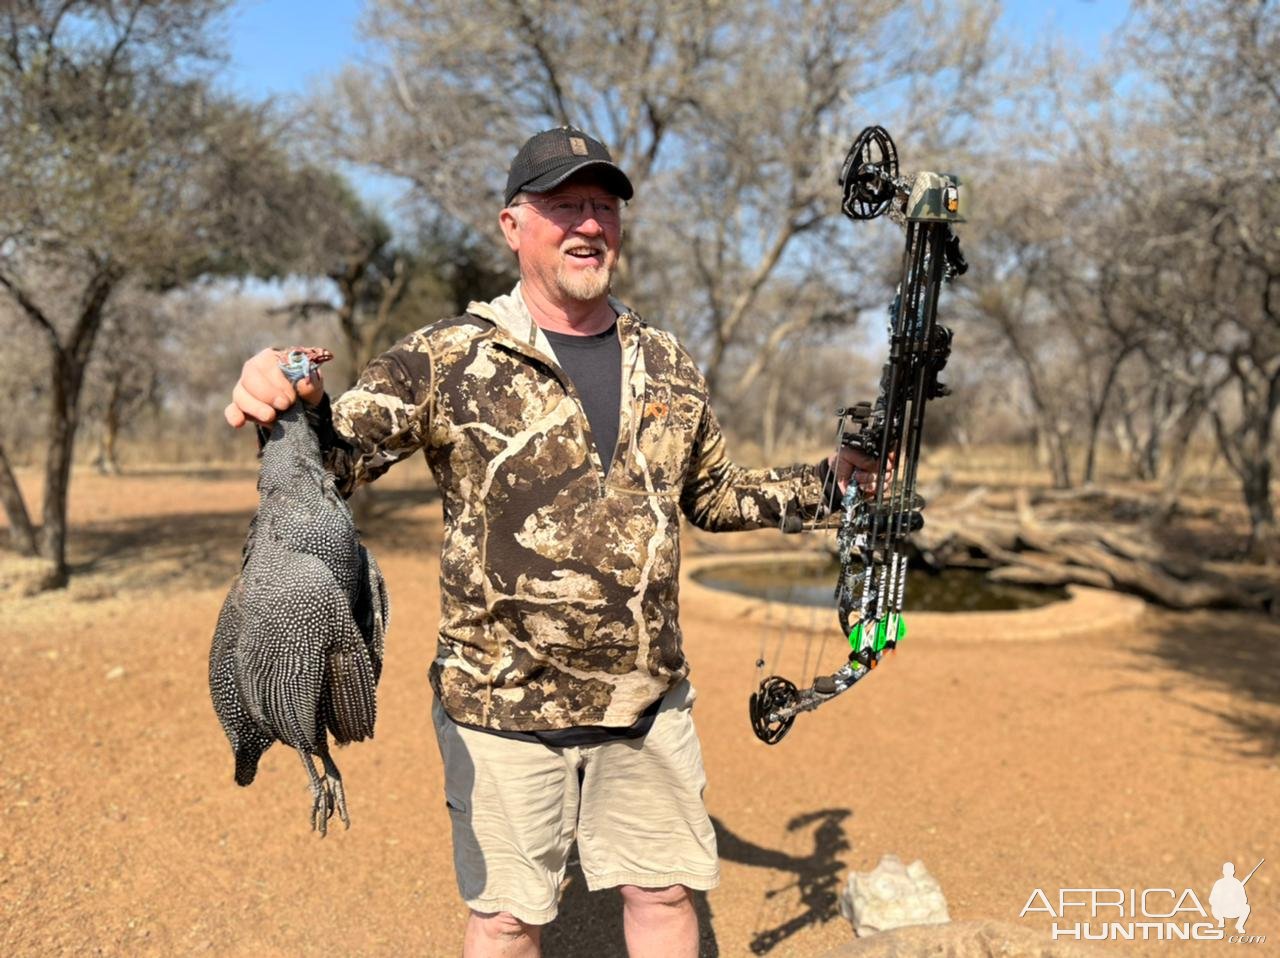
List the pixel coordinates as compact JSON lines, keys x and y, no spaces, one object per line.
{"x":872,"y":539}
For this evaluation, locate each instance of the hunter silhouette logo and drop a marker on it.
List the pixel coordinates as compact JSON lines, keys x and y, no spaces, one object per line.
{"x":1149,"y":914}
{"x":1228,"y":898}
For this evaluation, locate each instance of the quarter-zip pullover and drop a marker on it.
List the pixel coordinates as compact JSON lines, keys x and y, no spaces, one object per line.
{"x":559,"y":585}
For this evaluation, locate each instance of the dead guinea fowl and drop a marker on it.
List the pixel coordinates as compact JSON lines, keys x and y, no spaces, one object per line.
{"x":297,"y":651}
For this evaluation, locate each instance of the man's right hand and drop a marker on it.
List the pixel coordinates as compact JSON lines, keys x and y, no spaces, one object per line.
{"x":263,"y":390}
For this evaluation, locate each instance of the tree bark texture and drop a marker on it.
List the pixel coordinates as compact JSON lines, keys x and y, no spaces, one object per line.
{"x":22,"y":534}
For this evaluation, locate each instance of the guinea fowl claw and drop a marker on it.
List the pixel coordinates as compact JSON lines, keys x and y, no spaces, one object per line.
{"x":339,"y":798}
{"x":322,"y":806}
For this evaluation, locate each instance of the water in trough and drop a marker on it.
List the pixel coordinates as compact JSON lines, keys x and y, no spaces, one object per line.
{"x":812,"y":583}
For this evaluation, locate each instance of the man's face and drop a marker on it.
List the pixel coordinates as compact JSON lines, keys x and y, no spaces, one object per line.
{"x":567,"y":240}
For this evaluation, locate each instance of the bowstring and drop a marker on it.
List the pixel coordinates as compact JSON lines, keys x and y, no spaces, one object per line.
{"x":830,"y":490}
{"x":830,"y":486}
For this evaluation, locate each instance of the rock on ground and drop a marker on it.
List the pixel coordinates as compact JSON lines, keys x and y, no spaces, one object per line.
{"x":893,"y":895}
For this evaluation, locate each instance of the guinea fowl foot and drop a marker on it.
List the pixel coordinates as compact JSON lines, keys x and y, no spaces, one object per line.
{"x":322,"y":806}
{"x":326,"y":793}
{"x":337,"y":795}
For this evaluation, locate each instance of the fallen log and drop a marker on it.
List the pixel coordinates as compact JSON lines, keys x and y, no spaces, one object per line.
{"x":1051,"y":574}
{"x":1024,"y":548}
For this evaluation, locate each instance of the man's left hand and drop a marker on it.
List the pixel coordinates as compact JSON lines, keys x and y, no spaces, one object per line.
{"x":853,"y":464}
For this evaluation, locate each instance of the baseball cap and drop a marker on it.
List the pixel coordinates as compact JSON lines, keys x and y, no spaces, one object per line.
{"x":549,"y":158}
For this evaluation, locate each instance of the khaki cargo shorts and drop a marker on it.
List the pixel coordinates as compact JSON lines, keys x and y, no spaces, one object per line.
{"x":517,"y":807}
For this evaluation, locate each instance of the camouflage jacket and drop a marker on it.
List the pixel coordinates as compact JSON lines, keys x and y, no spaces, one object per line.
{"x":558,"y":588}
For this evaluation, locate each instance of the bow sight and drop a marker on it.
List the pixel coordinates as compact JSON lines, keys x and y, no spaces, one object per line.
{"x":871,"y":542}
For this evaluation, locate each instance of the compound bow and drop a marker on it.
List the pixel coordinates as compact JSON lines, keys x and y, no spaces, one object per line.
{"x":871,"y":542}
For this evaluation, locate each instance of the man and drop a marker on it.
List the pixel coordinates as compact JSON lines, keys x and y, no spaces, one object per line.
{"x":566,"y":436}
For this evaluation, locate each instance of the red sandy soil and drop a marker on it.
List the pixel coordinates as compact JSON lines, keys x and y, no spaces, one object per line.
{"x":1138,"y":755}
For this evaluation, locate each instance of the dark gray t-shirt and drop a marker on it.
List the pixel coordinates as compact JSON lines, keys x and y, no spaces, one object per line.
{"x":594,"y":364}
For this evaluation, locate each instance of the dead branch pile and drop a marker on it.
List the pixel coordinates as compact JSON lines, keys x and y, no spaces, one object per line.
{"x":1018,"y":545}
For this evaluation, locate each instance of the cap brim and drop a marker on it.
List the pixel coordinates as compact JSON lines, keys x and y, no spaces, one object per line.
{"x":615,"y":179}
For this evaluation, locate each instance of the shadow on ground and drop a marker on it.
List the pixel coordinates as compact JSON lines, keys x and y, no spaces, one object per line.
{"x":196,"y":549}
{"x":590,"y":923}
{"x":1238,"y":652}
{"x":161,"y":474}
{"x":202,"y":549}
{"x":391,"y":518}
{"x":815,"y":878}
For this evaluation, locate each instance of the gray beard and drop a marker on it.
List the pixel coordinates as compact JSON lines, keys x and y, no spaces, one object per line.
{"x":585,"y":286}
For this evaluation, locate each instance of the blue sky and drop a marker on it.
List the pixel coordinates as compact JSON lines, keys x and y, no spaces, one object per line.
{"x":1086,"y":23}
{"x":278,"y":48}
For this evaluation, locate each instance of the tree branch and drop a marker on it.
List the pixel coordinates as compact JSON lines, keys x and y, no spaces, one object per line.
{"x":89,"y":318}
{"x":110,"y":64}
{"x":32,"y":311}
{"x":303,"y":309}
{"x":533,"y":36}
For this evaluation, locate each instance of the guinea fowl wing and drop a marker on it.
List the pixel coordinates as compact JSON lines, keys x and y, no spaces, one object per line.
{"x":372,"y":609}
{"x":301,"y":661}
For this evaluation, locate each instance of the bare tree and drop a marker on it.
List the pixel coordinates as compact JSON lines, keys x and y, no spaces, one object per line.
{"x":1005,"y":305}
{"x":120,"y":164}
{"x":1124,"y":251}
{"x":124,"y":375}
{"x":368,"y":271}
{"x":731,"y":119}
{"x":382,"y":285}
{"x":1217,"y":67}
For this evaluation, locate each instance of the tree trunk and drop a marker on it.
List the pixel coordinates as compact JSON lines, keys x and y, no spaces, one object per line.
{"x":63,"y":421}
{"x":714,"y":364}
{"x":108,"y":462}
{"x":1124,"y":431}
{"x":1249,"y":449}
{"x":1175,"y":454}
{"x":1091,"y":446}
{"x":1264,"y":535}
{"x":1097,"y":413}
{"x":22,"y":535}
{"x":1153,"y":446}
{"x":67,"y":377}
{"x":769,"y":426}
{"x":69,"y":363}
{"x":1059,"y":456}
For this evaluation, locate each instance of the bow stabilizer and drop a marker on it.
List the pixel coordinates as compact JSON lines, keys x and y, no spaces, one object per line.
{"x":872,"y":538}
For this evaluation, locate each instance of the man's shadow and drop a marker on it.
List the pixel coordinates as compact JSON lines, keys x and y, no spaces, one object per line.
{"x":590,"y":923}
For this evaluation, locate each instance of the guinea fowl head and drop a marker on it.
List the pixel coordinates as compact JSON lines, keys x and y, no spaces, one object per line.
{"x":293,"y":451}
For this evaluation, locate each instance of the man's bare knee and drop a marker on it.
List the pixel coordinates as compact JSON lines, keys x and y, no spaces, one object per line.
{"x":675,"y":896}
{"x":502,"y":926}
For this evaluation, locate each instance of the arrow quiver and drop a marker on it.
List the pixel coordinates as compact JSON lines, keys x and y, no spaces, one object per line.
{"x":872,"y":538}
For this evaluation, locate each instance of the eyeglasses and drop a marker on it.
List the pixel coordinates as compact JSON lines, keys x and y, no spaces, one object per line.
{"x":568,"y":208}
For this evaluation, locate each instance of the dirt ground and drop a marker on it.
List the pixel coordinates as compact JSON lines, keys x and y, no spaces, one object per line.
{"x":1120,"y":751}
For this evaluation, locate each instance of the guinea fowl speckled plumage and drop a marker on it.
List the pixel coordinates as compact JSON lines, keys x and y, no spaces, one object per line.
{"x":297,"y":651}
